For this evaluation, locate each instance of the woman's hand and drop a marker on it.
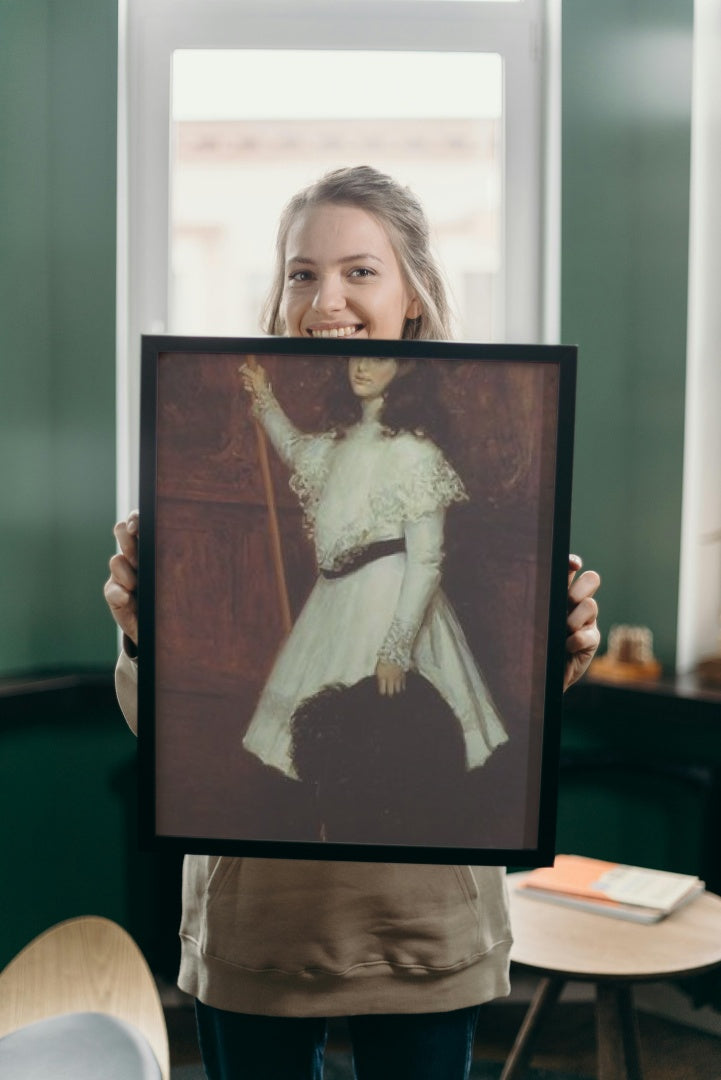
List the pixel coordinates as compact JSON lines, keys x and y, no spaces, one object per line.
{"x":583,"y":635}
{"x":122,"y":585}
{"x":391,"y":678}
{"x":254,"y":379}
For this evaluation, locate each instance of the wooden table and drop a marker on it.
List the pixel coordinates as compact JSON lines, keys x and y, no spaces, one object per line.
{"x":563,"y":944}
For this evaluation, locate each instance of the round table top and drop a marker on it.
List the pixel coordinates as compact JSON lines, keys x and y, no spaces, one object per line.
{"x":559,"y":940}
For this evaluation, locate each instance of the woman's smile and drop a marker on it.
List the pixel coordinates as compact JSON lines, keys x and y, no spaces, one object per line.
{"x":324,"y":331}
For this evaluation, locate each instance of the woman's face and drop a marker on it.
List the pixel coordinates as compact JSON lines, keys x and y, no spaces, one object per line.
{"x":369,"y":376}
{"x":342,"y":277}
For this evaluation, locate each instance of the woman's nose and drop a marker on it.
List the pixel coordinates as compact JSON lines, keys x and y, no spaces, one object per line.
{"x":329,"y":295}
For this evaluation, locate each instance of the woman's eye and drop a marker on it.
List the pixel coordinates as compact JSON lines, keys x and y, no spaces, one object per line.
{"x":300,"y":276}
{"x":362,"y":272}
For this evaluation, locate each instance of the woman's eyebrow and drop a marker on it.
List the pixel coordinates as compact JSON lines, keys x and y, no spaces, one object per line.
{"x":361,"y":257}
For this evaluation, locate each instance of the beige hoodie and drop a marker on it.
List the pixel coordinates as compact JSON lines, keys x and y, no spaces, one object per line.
{"x":284,"y":937}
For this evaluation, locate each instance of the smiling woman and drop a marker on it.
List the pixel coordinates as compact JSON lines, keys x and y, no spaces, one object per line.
{"x":331,"y":292}
{"x":353,"y":259}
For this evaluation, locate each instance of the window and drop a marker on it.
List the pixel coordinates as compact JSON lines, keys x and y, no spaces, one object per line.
{"x":235,"y":161}
{"x":231,"y":104}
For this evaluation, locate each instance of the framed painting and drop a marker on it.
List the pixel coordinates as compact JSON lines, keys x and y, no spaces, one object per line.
{"x":352,"y":597}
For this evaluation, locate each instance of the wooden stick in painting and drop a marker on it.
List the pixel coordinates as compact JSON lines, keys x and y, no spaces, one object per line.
{"x":274,"y":529}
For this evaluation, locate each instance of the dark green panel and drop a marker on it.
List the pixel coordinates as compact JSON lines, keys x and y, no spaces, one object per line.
{"x":83,"y":76}
{"x":67,"y":786}
{"x":58,"y":75}
{"x":625,"y":817}
{"x":641,"y":777}
{"x":68,"y":802}
{"x":626,"y":145}
{"x":26,"y":451}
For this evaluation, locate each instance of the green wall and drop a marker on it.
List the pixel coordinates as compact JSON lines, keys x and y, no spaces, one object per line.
{"x":67,"y":761}
{"x":626,"y":136}
{"x":58,"y":73}
{"x":626,"y":145}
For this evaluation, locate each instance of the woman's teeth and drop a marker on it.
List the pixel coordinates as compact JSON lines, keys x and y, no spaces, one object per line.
{"x":336,"y":332}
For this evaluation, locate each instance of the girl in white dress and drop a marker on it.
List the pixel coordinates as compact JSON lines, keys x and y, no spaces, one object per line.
{"x":374,"y":489}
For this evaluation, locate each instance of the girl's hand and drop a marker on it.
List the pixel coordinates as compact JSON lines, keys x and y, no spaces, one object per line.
{"x":122,"y":585}
{"x":255,"y":381}
{"x":583,"y":635}
{"x":391,"y":678}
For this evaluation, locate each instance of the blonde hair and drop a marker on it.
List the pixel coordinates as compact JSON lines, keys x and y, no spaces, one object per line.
{"x":403,"y":217}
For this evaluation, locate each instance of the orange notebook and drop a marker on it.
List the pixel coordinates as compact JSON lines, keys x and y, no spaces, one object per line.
{"x":632,"y":892}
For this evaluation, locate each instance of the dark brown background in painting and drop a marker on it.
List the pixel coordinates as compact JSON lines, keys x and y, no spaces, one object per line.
{"x":218,"y":626}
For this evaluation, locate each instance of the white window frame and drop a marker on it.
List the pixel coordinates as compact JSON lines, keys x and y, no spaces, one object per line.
{"x":526,"y":34}
{"x":699,"y":597}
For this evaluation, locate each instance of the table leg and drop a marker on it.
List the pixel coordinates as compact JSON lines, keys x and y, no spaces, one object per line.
{"x":545,"y":997}
{"x":617,"y":1033}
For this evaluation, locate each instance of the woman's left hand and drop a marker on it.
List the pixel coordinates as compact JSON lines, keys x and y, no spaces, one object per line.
{"x":391,"y":678}
{"x":583,"y":635}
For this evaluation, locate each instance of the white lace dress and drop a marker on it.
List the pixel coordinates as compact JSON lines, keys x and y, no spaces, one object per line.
{"x":355,"y":490}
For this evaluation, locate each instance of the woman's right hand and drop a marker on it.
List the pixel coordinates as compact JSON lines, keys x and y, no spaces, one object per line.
{"x":122,"y":585}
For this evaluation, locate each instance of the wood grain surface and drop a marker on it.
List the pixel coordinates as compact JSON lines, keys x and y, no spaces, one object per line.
{"x":88,"y":964}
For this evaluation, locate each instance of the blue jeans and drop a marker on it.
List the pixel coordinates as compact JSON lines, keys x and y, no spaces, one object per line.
{"x":413,"y":1046}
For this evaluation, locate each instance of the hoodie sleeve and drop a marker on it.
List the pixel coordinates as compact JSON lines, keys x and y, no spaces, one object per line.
{"x":126,"y":688}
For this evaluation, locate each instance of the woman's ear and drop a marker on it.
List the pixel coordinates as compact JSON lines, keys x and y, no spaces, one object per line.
{"x":415,"y":309}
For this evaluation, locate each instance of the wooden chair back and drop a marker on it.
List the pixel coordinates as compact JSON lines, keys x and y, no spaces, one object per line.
{"x":87,"y":964}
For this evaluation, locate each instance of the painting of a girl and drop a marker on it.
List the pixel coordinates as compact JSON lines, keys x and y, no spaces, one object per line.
{"x":374,"y":486}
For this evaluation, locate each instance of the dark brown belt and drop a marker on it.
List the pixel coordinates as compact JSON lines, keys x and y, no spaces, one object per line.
{"x":361,"y":556}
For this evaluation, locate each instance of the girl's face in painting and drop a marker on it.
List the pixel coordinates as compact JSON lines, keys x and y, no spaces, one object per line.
{"x":369,"y":376}
{"x":343,"y":278}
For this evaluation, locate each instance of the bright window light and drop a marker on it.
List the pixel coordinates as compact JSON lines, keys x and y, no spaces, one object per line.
{"x":250,"y":127}
{"x":221,"y":84}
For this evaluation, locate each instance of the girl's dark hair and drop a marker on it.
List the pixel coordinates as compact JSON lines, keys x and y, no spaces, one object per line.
{"x":412,"y":403}
{"x":402,"y":216}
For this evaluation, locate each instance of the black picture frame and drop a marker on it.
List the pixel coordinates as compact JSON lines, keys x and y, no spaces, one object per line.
{"x":211,"y":612}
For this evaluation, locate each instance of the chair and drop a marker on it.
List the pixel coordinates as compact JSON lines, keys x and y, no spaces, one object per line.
{"x":80,"y":1002}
